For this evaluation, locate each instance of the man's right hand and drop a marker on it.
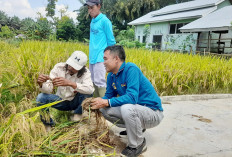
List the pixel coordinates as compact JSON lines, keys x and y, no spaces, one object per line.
{"x":42,"y":78}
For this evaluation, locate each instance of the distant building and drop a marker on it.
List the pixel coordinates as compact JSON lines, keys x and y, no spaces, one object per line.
{"x":20,"y":36}
{"x":171,"y":27}
{"x":214,"y":31}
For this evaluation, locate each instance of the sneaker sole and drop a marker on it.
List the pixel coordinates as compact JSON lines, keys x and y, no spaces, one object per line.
{"x":122,"y":136}
{"x":144,"y":150}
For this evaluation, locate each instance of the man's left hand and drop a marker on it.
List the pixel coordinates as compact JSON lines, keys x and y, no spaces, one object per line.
{"x":97,"y":103}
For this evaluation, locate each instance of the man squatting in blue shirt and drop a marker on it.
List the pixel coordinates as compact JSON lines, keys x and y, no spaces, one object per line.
{"x":130,"y":100}
{"x":101,"y":36}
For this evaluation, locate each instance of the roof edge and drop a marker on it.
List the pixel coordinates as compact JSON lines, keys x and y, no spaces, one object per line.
{"x":176,"y":19}
{"x":206,"y":29}
{"x":185,"y":9}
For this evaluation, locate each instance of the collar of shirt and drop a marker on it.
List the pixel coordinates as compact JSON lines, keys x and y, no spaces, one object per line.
{"x":97,"y":18}
{"x":120,"y":69}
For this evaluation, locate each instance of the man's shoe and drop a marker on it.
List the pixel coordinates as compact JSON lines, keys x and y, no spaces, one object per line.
{"x":124,"y":133}
{"x":134,"y":152}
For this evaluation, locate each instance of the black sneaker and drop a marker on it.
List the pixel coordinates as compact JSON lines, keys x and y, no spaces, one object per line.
{"x":134,"y":152}
{"x":124,"y":133}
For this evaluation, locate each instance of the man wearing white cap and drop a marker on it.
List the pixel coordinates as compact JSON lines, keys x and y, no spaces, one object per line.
{"x":73,"y":82}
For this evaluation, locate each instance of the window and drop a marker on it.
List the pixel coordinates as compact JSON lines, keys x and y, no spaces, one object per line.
{"x":144,"y":39}
{"x":178,"y":27}
{"x":172,"y":28}
{"x":139,"y":38}
{"x":157,"y":39}
{"x":175,"y":28}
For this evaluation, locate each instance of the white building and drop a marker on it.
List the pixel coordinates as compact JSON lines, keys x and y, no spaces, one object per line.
{"x":165,"y":25}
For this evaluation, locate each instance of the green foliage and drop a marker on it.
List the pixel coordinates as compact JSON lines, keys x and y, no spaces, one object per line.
{"x":125,"y":11}
{"x":146,"y":31}
{"x":3,"y":18}
{"x":14,"y":23}
{"x":40,"y":30}
{"x":43,"y":29}
{"x":8,"y":95}
{"x":132,"y":44}
{"x":6,"y":32}
{"x":126,"y":34}
{"x":83,"y":27}
{"x":66,"y":29}
{"x":51,"y":6}
{"x":28,"y":27}
{"x":126,"y":38}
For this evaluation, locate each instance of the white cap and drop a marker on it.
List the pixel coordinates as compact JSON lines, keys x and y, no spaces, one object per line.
{"x":77,"y":60}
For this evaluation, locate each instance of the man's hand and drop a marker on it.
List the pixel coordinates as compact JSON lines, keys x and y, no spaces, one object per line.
{"x":42,"y":78}
{"x":60,"y":81}
{"x":99,"y":103}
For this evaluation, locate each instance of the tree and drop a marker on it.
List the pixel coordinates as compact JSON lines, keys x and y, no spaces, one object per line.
{"x":3,"y":18}
{"x":83,"y":28}
{"x":6,"y":32}
{"x":14,"y":22}
{"x":126,"y":34}
{"x":66,"y":29}
{"x":28,"y":27}
{"x":125,"y":11}
{"x":43,"y":29}
{"x":51,"y":6}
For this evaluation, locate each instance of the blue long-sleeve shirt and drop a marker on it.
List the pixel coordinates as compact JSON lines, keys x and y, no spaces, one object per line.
{"x":101,"y":36}
{"x":130,"y":86}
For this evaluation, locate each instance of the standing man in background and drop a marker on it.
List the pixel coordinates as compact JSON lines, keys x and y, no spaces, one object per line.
{"x":101,"y":36}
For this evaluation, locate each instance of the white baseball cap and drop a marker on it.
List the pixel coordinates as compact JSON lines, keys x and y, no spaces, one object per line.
{"x":77,"y":60}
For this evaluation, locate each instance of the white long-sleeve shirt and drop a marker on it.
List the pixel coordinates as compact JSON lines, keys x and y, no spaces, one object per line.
{"x":84,"y":83}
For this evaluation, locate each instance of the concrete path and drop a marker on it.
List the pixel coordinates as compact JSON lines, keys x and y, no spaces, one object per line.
{"x":197,"y":125}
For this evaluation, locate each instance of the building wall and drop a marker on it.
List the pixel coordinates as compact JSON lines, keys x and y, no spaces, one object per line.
{"x":174,"y":42}
{"x":185,"y":42}
{"x":139,"y":32}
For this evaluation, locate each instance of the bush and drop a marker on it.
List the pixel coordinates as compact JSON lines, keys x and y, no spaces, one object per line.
{"x":6,"y":32}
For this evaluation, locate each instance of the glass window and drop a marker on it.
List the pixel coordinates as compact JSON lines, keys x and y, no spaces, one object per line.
{"x":177,"y":28}
{"x":157,"y":41}
{"x":144,"y":39}
{"x":172,"y":28}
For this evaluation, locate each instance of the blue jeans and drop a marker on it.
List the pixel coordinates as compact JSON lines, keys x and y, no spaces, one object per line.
{"x":66,"y":105}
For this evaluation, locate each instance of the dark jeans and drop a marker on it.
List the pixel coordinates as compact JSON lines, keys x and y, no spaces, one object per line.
{"x":66,"y":105}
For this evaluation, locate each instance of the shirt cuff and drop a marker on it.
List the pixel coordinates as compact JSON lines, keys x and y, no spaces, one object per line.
{"x":109,"y":102}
